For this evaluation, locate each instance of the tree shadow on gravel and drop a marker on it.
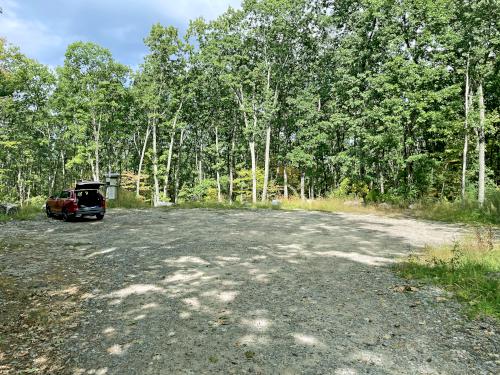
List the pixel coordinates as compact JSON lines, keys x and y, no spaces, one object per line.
{"x":201,"y":291}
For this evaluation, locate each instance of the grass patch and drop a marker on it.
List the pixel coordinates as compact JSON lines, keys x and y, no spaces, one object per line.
{"x":462,"y":212}
{"x":442,"y":211}
{"x":337,"y":205}
{"x":223,"y":205}
{"x":28,"y":212}
{"x":469,"y":268}
{"x":127,"y":199}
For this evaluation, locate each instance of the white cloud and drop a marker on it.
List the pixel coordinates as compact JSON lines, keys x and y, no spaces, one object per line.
{"x":190,"y":9}
{"x":32,"y":36}
{"x":43,"y":29}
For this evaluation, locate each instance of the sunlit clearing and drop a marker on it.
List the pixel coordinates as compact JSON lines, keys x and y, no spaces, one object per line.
{"x":87,"y":296}
{"x":185,"y":315}
{"x":259,"y":257}
{"x":226,"y":296}
{"x":105,"y":251}
{"x":109,"y":331}
{"x":253,"y":340}
{"x":135,"y":289}
{"x":40,"y":360}
{"x":262,"y":278}
{"x":259,"y":324}
{"x":186,"y":260}
{"x":152,"y":305}
{"x":307,"y":340}
{"x":228,"y":259}
{"x":72,"y":290}
{"x":184,"y":276}
{"x":345,"y":371}
{"x":357,"y":257}
{"x":193,"y":303}
{"x":118,"y":349}
{"x":368,"y":357}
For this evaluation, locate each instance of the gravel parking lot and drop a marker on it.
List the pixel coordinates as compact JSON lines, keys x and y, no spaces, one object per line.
{"x":213,"y":291}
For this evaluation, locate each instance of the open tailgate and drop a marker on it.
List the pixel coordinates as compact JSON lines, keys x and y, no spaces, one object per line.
{"x":88,"y":185}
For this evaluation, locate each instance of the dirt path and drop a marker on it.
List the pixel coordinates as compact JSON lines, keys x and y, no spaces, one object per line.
{"x":206,"y":291}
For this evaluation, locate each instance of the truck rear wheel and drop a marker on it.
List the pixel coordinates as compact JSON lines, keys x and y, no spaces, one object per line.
{"x":99,"y":216}
{"x":65,"y":215}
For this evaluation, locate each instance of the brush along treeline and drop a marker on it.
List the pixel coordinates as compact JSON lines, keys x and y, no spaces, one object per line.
{"x":388,"y":100}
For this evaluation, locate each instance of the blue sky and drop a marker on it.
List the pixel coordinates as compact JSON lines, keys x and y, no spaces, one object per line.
{"x":44,"y":28}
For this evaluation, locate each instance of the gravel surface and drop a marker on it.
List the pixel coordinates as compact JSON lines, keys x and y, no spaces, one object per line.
{"x":265,"y":292}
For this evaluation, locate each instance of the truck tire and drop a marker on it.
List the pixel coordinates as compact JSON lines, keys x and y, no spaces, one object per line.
{"x":65,"y":215}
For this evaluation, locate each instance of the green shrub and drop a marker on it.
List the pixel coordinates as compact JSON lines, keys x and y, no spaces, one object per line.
{"x":205,"y":190}
{"x":26,"y":212}
{"x":469,"y":268}
{"x":127,"y":199}
{"x":467,"y":211}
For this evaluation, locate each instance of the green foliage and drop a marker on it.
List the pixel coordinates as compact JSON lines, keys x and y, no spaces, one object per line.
{"x":468,"y":211}
{"x":469,"y":269}
{"x":27,"y":212}
{"x":205,"y":190}
{"x":127,"y":199}
{"x":364,"y":99}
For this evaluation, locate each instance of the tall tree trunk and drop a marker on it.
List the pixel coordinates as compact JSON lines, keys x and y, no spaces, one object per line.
{"x":63,"y":169}
{"x":302,"y":186}
{"x":141,"y":160}
{"x":466,"y":135}
{"x":254,"y":171}
{"x":169,"y":163}
{"x":20,"y":187}
{"x":381,"y":179}
{"x":231,"y":163}
{"x":268,"y":138}
{"x":156,"y":193}
{"x":167,"y":172}
{"x":266,"y":163}
{"x":481,"y":145}
{"x":251,"y":143}
{"x":219,"y":195}
{"x":285,"y":182}
{"x":97,"y":136}
{"x":178,"y":165}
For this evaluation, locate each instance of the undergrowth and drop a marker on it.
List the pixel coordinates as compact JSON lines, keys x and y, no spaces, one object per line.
{"x":127,"y":199}
{"x":469,"y":268}
{"x":28,"y":212}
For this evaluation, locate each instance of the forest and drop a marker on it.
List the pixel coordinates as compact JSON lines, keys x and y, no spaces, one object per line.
{"x":388,"y":100}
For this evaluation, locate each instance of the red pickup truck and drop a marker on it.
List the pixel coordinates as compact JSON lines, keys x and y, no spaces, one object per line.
{"x":84,"y":200}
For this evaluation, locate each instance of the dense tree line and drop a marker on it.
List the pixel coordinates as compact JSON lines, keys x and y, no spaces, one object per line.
{"x":386,"y":99}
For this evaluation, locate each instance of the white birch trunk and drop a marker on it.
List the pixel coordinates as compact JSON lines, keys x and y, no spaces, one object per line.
{"x":466,"y":135}
{"x":481,"y":145}
{"x":176,"y":192}
{"x":231,"y":162}
{"x":302,"y":186}
{"x":156,"y":193}
{"x":285,"y":182}
{"x":219,"y":195}
{"x":141,"y":160}
{"x":169,"y":162}
{"x":266,"y":163}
